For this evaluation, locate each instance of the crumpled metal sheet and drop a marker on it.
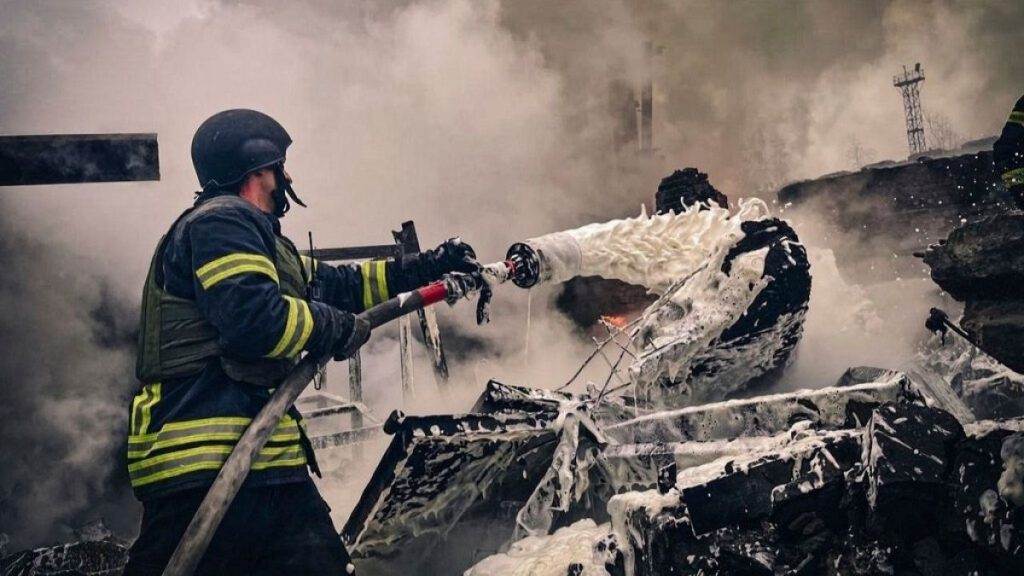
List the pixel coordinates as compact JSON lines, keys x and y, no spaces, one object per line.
{"x":451,"y":490}
{"x":444,"y":479}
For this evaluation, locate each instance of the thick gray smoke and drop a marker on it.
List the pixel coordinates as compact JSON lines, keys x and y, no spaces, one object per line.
{"x":757,"y":92}
{"x":66,"y":374}
{"x":490,"y":119}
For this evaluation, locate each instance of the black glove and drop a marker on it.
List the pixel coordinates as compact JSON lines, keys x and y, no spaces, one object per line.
{"x":421,"y":269}
{"x":453,"y":255}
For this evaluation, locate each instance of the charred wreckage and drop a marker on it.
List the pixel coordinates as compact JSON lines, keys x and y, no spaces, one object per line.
{"x":674,"y":464}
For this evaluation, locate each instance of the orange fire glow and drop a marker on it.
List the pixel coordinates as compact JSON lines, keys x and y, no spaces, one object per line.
{"x":617,"y":321}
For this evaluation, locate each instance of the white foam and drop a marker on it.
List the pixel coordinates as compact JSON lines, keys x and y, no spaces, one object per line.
{"x":622,"y":506}
{"x":549,"y":555}
{"x":1011,"y":482}
{"x":680,"y":255}
{"x":652,"y":251}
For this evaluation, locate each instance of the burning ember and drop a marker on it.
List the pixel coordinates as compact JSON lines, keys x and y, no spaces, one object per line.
{"x":619,"y":321}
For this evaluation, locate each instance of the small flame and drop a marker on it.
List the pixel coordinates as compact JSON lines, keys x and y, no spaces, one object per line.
{"x":617,"y":321}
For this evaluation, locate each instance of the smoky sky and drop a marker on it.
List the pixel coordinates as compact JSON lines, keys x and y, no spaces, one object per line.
{"x":487,"y":119}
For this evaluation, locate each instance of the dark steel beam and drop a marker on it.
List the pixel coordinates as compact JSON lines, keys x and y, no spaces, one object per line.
{"x":356,"y":253}
{"x":78,"y":159}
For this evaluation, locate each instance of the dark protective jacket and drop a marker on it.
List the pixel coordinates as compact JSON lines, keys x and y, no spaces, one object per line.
{"x":225,"y":315}
{"x":1008,"y":150}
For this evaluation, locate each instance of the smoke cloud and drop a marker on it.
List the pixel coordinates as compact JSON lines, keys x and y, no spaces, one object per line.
{"x":67,"y":370}
{"x":488,"y":119}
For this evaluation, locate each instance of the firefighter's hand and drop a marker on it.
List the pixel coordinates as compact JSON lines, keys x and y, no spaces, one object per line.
{"x":421,"y":269}
{"x":454,"y":255}
{"x":346,"y":346}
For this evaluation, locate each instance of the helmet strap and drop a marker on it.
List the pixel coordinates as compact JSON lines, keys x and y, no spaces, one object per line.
{"x":282,"y":192}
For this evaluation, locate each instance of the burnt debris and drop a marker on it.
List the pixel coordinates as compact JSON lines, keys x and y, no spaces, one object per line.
{"x":684,"y":188}
{"x":450,"y":490}
{"x":888,"y":211}
{"x":982,"y":265}
{"x":875,"y":475}
{"x":911,"y":493}
{"x":97,"y":553}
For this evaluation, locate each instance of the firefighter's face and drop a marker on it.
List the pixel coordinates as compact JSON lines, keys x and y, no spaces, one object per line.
{"x":260,"y":187}
{"x":267,"y":183}
{"x":267,"y":179}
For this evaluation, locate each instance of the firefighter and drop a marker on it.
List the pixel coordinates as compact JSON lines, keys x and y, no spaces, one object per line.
{"x":1008,"y":153}
{"x":227,"y":309}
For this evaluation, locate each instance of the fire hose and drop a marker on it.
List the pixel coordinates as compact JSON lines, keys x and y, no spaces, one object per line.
{"x":211,"y":511}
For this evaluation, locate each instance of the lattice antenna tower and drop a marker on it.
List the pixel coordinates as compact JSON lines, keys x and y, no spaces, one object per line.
{"x":909,"y":85}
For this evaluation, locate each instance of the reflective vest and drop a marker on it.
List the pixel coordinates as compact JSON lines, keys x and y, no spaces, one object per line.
{"x":196,"y":402}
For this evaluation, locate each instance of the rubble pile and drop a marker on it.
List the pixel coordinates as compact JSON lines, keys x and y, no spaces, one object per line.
{"x":988,"y":388}
{"x":982,"y":265}
{"x":910,"y":492}
{"x":84,"y":558}
{"x":888,"y":211}
{"x":877,"y":474}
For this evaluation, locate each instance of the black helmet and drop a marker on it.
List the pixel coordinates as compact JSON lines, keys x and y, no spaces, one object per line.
{"x":233,"y":143}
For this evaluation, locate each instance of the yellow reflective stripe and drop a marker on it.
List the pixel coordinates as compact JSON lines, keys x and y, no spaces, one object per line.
{"x":289,"y":328}
{"x":142,"y":408}
{"x":306,"y":331}
{"x":143,"y":450}
{"x":210,"y":437}
{"x":1016,"y":117}
{"x":141,"y":397}
{"x":208,"y":458}
{"x":204,"y":451}
{"x":375,"y":282}
{"x":213,"y":465}
{"x":224,"y":267}
{"x":180,"y":455}
{"x":299,"y":461}
{"x":287,"y":423}
{"x":297,"y":329}
{"x":382,"y":280}
{"x":1013,"y":177}
{"x":367,"y":294}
